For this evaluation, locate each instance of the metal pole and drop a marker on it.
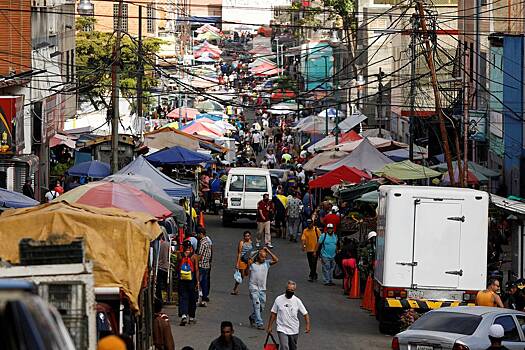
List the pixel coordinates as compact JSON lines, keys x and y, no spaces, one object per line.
{"x":380,"y":102}
{"x":115,"y":72}
{"x":465,"y":118}
{"x":140,"y":73}
{"x":337,"y":126}
{"x":326,"y":107}
{"x":478,"y":53}
{"x":415,"y":28}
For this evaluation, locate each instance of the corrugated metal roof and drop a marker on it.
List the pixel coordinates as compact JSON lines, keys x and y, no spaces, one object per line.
{"x":508,"y":204}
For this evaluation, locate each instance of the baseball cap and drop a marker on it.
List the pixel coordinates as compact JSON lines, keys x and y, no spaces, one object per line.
{"x":496,"y":331}
{"x":309,"y":221}
{"x":372,"y":234}
{"x":335,"y":208}
{"x":330,"y":226}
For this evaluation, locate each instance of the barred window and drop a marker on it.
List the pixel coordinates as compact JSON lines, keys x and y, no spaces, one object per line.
{"x":151,"y":19}
{"x":124,"y":26}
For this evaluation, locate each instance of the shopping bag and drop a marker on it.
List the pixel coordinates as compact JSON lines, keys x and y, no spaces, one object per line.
{"x":270,"y":346}
{"x":237,"y":276}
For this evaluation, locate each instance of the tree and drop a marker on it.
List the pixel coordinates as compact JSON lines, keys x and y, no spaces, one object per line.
{"x":94,"y":57}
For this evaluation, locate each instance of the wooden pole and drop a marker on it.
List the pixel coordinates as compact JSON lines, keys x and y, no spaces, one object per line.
{"x":437,"y":96}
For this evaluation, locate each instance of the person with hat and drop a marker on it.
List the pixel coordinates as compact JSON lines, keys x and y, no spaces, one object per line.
{"x":309,"y":240}
{"x":326,"y":249}
{"x":516,"y":300}
{"x":333,"y":218}
{"x":496,"y":335}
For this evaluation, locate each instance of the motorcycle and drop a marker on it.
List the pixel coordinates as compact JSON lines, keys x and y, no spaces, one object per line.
{"x":216,"y":202}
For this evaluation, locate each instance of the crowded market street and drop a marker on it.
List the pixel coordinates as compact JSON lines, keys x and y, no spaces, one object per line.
{"x":337,"y":322}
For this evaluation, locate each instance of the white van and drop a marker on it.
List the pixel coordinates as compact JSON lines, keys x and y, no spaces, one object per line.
{"x":244,"y":188}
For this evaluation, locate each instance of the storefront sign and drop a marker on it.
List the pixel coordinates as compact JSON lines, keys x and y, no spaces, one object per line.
{"x":11,"y":124}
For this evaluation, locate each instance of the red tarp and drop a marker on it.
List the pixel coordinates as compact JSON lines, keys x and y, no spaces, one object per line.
{"x":350,"y":136}
{"x":339,"y":175}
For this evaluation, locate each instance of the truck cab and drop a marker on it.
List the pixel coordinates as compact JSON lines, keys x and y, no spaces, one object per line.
{"x":431,"y":249}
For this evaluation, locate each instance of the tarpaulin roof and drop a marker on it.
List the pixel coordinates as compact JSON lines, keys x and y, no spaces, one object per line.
{"x":330,"y":140}
{"x":338,"y":176}
{"x":93,"y":168}
{"x":353,"y":192}
{"x":482,"y":173}
{"x":407,"y":170}
{"x":365,"y":157}
{"x":352,"y":121}
{"x":11,"y":199}
{"x":202,"y":128}
{"x":177,"y":155}
{"x":117,"y":242}
{"x":183,"y":113}
{"x":173,"y":188}
{"x":169,"y":137}
{"x":103,"y":194}
{"x":149,"y":187}
{"x":324,"y":158}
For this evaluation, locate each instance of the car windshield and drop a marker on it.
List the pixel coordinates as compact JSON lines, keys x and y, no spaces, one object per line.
{"x":449,"y":322}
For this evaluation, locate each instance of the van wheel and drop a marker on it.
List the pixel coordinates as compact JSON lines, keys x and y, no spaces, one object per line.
{"x":226,"y":220}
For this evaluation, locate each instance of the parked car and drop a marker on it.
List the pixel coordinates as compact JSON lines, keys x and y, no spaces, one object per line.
{"x":462,"y":328}
{"x":27,"y":322}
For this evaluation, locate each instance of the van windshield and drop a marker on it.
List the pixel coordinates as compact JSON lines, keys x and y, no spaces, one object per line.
{"x":256,"y":183}
{"x":237,"y":183}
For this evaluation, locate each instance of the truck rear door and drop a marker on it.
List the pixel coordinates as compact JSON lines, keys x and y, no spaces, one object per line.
{"x":436,"y":244}
{"x":256,"y":186}
{"x":236,"y":192}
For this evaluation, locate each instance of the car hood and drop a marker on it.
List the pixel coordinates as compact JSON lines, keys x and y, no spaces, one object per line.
{"x":446,"y":340}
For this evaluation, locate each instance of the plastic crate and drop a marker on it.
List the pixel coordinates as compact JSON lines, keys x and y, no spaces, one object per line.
{"x":50,"y":253}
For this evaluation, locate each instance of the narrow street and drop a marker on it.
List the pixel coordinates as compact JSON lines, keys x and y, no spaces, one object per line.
{"x":337,"y":322}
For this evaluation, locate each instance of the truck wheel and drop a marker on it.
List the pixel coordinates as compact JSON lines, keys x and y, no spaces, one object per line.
{"x":389,"y":320}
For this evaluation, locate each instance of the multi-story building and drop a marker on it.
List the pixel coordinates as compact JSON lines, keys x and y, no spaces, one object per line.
{"x":37,"y":86}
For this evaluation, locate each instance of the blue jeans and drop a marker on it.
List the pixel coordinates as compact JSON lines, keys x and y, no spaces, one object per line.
{"x":294,"y":227}
{"x":328,"y":265}
{"x":187,"y":298}
{"x":258,"y":298}
{"x":205,"y":281}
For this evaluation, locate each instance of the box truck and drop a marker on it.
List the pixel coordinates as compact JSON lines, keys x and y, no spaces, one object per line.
{"x":431,"y":249}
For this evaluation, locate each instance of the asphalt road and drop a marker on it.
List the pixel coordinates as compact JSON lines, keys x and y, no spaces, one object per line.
{"x":337,"y":322}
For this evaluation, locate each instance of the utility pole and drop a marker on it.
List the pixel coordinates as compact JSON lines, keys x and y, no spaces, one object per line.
{"x":380,"y":101}
{"x":115,"y":72}
{"x":413,"y":38}
{"x":140,"y":73}
{"x":437,"y":96}
{"x":466,"y":87}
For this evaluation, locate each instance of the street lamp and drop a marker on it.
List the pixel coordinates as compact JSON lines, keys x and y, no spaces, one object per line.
{"x":85,"y":8}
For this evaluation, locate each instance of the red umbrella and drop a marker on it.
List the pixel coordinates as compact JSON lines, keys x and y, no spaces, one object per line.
{"x":338,"y":176}
{"x":183,"y":113}
{"x":103,"y":194}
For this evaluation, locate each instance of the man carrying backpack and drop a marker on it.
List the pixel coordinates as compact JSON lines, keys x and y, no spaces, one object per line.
{"x":188,"y":283}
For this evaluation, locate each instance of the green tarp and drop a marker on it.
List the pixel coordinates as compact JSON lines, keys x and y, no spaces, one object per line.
{"x":406,"y":170}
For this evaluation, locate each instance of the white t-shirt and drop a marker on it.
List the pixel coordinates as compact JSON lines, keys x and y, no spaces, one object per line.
{"x":50,"y":195}
{"x":256,"y":137}
{"x":302,"y":177}
{"x":287,"y":310}
{"x":258,"y":275}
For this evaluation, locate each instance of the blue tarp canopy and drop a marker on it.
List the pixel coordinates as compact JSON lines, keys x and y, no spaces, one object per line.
{"x":173,"y":188}
{"x":93,"y":168}
{"x":209,"y":116}
{"x":10,"y":199}
{"x":177,"y":155}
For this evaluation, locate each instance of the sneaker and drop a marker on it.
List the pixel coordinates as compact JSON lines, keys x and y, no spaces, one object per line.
{"x":257,"y":244}
{"x":260,"y":327}
{"x":202,"y":304}
{"x":192,"y":320}
{"x":269,"y":245}
{"x":331,"y":284}
{"x":183,"y":320}
{"x":252,"y":322}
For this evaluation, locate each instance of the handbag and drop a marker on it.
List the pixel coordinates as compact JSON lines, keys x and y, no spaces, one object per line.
{"x":270,"y":346}
{"x":237,"y":276}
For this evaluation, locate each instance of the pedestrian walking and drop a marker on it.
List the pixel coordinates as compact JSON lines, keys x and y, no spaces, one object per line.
{"x":256,"y":139}
{"x":309,"y":239}
{"x":326,"y":249}
{"x":27,"y":189}
{"x":227,"y":341}
{"x":284,"y":312}
{"x":188,"y":283}
{"x":163,"y":266}
{"x":205,"y":253}
{"x":293,"y":216}
{"x":258,"y":272}
{"x":489,"y":296}
{"x":162,"y":336}
{"x":244,"y":249}
{"x":50,"y":195}
{"x":333,"y":218}
{"x":265,"y":211}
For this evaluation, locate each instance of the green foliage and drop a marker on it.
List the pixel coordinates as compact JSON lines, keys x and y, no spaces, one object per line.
{"x":343,"y":8}
{"x":60,"y":169}
{"x":94,"y":56}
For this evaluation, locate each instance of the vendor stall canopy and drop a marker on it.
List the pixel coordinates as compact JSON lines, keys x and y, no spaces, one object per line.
{"x":117,"y":242}
{"x":11,"y":199}
{"x":177,"y":156}
{"x":407,"y":170}
{"x":339,"y":176}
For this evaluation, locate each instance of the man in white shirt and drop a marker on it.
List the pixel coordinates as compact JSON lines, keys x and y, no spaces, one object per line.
{"x":285,"y":309}
{"x":256,"y":140}
{"x":50,"y":195}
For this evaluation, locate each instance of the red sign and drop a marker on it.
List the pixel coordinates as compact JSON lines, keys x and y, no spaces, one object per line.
{"x":53,"y":115}
{"x":11,"y":124}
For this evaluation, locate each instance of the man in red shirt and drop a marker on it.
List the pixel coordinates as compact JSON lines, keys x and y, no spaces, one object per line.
{"x":332,"y":218}
{"x":265,"y":209}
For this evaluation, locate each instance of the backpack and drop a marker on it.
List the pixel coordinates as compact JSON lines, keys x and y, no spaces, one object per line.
{"x":186,"y":269}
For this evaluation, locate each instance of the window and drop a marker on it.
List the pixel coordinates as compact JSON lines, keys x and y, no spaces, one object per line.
{"x":151,"y":19}
{"x":237,"y":183}
{"x":521,"y":322}
{"x":448,"y":322}
{"x":511,"y":331}
{"x":124,"y":26}
{"x":256,"y":183}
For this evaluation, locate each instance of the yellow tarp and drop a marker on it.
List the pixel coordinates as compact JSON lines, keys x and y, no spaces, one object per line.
{"x":117,"y":242}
